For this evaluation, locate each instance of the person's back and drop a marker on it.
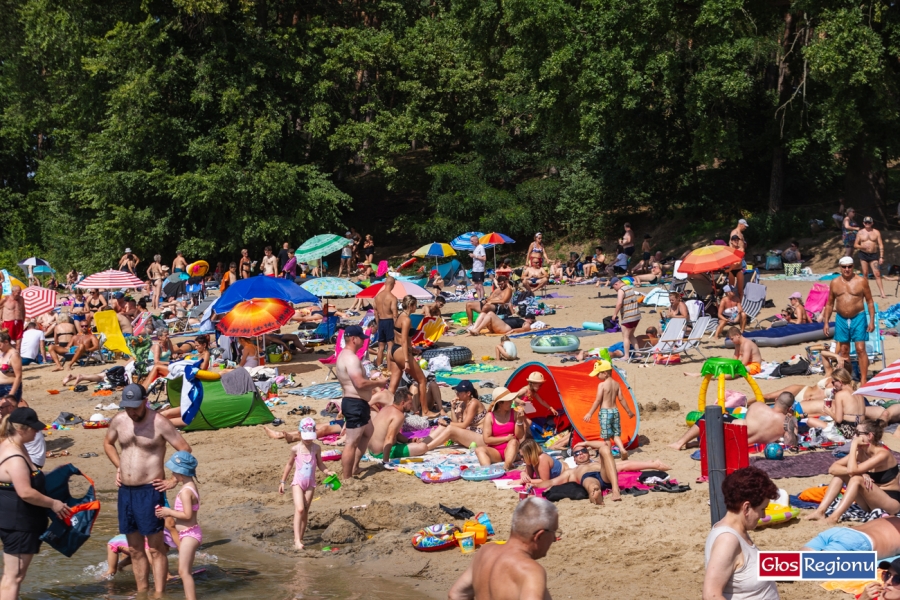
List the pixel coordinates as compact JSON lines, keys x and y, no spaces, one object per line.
{"x":764,"y":424}
{"x":31,"y":345}
{"x":500,"y":574}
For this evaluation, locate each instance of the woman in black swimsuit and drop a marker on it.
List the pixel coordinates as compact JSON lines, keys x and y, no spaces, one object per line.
{"x":401,"y":352}
{"x":869,"y":472}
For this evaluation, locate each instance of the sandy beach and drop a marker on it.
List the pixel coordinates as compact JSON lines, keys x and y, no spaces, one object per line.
{"x":612,"y":550}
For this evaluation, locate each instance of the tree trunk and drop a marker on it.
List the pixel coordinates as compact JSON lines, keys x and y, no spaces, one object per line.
{"x":864,"y":184}
{"x":776,"y":183}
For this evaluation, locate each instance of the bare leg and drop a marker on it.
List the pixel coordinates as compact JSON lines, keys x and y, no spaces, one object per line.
{"x":510,"y":453}
{"x":487,"y":456}
{"x":692,"y":434}
{"x":349,"y":460}
{"x":863,"y":358}
{"x":140,"y":566}
{"x":595,"y":493}
{"x":850,"y":496}
{"x":609,"y":470}
{"x":15,"y":567}
{"x":793,"y":389}
{"x":876,"y":269}
{"x":79,"y":353}
{"x":641,"y":465}
{"x":623,"y":454}
{"x":362,"y":445}
{"x":834,"y":488}
{"x":463,"y":437}
{"x":55,"y":351}
{"x":300,"y":516}
{"x":186,"y":554}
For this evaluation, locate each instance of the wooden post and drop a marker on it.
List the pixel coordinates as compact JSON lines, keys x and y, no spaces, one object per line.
{"x":715,"y":457}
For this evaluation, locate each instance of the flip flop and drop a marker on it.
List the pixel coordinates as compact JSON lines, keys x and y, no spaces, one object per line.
{"x":636,"y":491}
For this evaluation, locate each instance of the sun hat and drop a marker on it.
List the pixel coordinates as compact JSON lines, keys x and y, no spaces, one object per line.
{"x":133,"y":396}
{"x":500,"y":394}
{"x":183,"y":463}
{"x":307,"y":429}
{"x":744,"y":223}
{"x":127,"y":250}
{"x":600,"y":366}
{"x":796,"y":295}
{"x":27,"y":417}
{"x":846,"y":261}
{"x":535,"y":377}
{"x":466,"y":386}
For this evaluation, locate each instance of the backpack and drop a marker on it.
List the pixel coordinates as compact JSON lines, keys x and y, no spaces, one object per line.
{"x":610,"y":325}
{"x":116,"y":376}
{"x":800,"y":367}
{"x":68,"y":536}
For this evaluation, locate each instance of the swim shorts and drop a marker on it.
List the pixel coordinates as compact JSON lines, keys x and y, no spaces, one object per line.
{"x":867,"y":256}
{"x":840,"y":539}
{"x":596,"y":475}
{"x":137,"y":509}
{"x":356,"y":412}
{"x":632,"y":325}
{"x":6,"y":389}
{"x":610,"y":423}
{"x":15,"y":329}
{"x":385,"y":330}
{"x":477,"y":276}
{"x":851,"y":330}
{"x":20,"y":542}
{"x":617,"y":347}
{"x":629,"y":250}
{"x":397,"y":451}
{"x":754,"y":368}
{"x":646,"y":256}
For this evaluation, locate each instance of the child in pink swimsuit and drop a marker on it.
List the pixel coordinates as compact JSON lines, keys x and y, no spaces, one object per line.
{"x":305,"y":456}
{"x":184,"y":467}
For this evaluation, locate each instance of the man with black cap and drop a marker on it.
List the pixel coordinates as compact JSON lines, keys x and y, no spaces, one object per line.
{"x":142,"y":435}
{"x":849,"y":295}
{"x":355,"y":405}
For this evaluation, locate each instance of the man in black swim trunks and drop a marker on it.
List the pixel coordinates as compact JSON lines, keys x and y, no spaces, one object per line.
{"x":497,"y":302}
{"x":385,"y":314}
{"x":355,"y":405}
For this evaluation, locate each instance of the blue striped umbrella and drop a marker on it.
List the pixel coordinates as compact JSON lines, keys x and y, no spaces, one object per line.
{"x":462,"y":243}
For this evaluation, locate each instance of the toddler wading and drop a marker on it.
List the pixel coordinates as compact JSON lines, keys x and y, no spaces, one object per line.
{"x":184,"y":467}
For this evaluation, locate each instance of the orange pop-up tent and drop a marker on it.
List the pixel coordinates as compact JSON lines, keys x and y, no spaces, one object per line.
{"x":573,"y":390}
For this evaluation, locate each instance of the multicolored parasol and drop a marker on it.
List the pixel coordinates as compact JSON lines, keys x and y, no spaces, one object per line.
{"x":710,"y":258}
{"x":251,"y":318}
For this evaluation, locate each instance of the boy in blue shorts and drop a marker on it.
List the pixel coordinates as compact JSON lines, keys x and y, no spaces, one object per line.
{"x":608,"y":391}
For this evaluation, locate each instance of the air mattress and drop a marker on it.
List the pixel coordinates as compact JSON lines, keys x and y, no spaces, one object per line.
{"x":547,"y":344}
{"x":786,"y":335}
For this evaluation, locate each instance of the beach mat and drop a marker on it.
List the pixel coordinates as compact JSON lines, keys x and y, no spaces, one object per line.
{"x":474,"y":368}
{"x":807,"y":464}
{"x":552,"y":331}
{"x":322,"y":391}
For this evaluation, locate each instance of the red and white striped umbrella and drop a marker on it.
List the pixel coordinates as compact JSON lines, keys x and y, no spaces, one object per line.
{"x":38,"y":301}
{"x":111,"y":279}
{"x":884,"y":385}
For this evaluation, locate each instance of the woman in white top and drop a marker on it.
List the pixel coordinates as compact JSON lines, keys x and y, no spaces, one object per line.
{"x":731,"y":556}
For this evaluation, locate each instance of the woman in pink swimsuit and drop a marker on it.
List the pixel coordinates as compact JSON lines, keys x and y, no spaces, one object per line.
{"x":503,"y":430}
{"x":184,"y":467}
{"x":305,"y":456}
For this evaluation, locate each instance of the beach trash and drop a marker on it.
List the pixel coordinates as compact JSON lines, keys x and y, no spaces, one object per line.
{"x":466,"y":541}
{"x":332,"y":482}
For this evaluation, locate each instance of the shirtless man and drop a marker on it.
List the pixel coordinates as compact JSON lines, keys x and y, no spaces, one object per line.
{"x":881,"y":536}
{"x":142,"y":435}
{"x":533,"y":277}
{"x":871,"y":251}
{"x":387,"y":442}
{"x":497,"y":302}
{"x":495,"y":324}
{"x":627,"y":241}
{"x":269,"y":263}
{"x":434,"y":309}
{"x":386,"y":313}
{"x":179,"y":265}
{"x":14,"y":314}
{"x":122,"y":318}
{"x":764,"y":424}
{"x":357,"y":399}
{"x":593,"y":476}
{"x":129,"y":262}
{"x":846,"y":295}
{"x":745,"y":350}
{"x":510,"y":571}
{"x":730,"y":311}
{"x":739,"y":231}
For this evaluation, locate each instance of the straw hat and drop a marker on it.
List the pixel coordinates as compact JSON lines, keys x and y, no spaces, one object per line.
{"x":500,"y":394}
{"x":535,"y":377}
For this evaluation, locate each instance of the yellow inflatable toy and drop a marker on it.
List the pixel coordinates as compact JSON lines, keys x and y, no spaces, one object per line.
{"x":198,"y":268}
{"x":778,"y":513}
{"x":208,"y":375}
{"x":720,"y":367}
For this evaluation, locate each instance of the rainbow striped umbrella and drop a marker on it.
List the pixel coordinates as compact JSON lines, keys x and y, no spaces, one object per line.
{"x":435,"y":249}
{"x":493,"y":239}
{"x":251,"y":318}
{"x":710,"y":258}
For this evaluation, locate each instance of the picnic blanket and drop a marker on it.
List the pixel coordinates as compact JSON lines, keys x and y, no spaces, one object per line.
{"x":331,"y":391}
{"x":807,"y":464}
{"x":551,"y":331}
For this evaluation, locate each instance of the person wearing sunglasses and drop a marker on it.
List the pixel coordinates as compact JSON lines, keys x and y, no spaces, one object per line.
{"x":869,"y":473}
{"x":511,"y":570}
{"x":888,"y":585}
{"x":848,"y":296}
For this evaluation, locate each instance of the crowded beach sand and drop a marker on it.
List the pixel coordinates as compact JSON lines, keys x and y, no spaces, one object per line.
{"x":650,"y":545}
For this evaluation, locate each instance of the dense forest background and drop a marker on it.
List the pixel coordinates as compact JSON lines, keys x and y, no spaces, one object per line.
{"x":211,"y":125}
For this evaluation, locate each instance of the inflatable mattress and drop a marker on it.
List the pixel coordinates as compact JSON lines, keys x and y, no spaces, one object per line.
{"x":786,"y":335}
{"x":546,"y":344}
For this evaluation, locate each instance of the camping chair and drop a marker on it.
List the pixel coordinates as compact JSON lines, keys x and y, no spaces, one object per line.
{"x":678,"y":275}
{"x":324,"y":332}
{"x":429,"y":332}
{"x":816,"y":300}
{"x":752,"y":303}
{"x":331,"y":361}
{"x":704,"y":289}
{"x":195,"y":289}
{"x":668,"y":341}
{"x":698,"y":330}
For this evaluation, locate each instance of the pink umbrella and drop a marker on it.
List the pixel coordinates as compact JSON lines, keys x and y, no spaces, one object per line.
{"x":401,"y":288}
{"x":38,"y":301}
{"x":111,"y":279}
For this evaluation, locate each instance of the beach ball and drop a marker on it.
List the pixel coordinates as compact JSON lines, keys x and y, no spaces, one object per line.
{"x":774,"y":451}
{"x":738,"y":412}
{"x":692,"y":417}
{"x":423,"y":363}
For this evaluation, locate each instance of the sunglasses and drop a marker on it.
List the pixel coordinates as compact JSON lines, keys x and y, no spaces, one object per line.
{"x":858,"y":432}
{"x":579,"y":452}
{"x":847,"y":267}
{"x":890,"y":578}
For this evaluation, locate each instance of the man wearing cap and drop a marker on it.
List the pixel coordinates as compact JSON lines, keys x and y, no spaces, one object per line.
{"x":387,"y":442}
{"x":142,"y":435}
{"x":742,"y":226}
{"x":627,"y":306}
{"x":849,"y":295}
{"x":355,"y":406}
{"x":871,"y":251}
{"x":730,"y":311}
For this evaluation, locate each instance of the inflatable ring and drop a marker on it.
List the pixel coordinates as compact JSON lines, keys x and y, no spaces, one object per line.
{"x":547,"y":344}
{"x":777,"y":513}
{"x":204,"y":375}
{"x":435,"y":538}
{"x":198,"y":268}
{"x":483,"y":473}
{"x":441,"y":476}
{"x":96,"y":424}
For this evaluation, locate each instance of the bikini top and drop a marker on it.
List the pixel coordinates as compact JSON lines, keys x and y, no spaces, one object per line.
{"x":538,"y":249}
{"x":886,"y":476}
{"x":96,"y":305}
{"x":180,"y":506}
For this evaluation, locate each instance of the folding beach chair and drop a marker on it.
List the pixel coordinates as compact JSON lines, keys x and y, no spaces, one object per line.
{"x":816,"y":299}
{"x":752,"y":303}
{"x":107,"y":324}
{"x":704,"y":289}
{"x":676,"y":274}
{"x":324,"y":332}
{"x":339,"y":344}
{"x":698,"y":330}
{"x":671,"y":336}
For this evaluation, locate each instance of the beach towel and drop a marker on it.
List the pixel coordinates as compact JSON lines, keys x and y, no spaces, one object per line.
{"x":795,"y":501}
{"x":321,"y":391}
{"x":108,"y":324}
{"x":476,"y":368}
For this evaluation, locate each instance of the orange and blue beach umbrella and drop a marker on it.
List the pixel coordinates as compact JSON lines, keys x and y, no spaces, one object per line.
{"x":251,"y":318}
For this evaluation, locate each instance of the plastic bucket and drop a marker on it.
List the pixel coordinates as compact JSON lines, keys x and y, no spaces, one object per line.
{"x":478,"y":529}
{"x":466,"y":541}
{"x":275,"y":357}
{"x":332,"y":482}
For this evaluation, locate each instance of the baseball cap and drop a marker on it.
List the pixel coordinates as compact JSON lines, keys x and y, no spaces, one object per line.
{"x":354,"y":331}
{"x":119,"y":295}
{"x":127,"y":250}
{"x":133,"y":396}
{"x":868,"y":220}
{"x":846,"y":261}
{"x":727,"y":289}
{"x":27,"y":417}
{"x":601,"y":366}
{"x":886,"y":564}
{"x":614,"y":281}
{"x":183,"y":463}
{"x":797,"y":295}
{"x":466,"y":386}
{"x":307,"y":429}
{"x":744,"y":223}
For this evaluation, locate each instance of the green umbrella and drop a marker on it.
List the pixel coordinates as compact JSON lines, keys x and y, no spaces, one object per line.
{"x":319,"y":246}
{"x":331,"y":287}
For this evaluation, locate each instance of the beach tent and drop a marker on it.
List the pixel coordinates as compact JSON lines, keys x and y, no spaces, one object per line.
{"x":573,"y":390}
{"x":220,"y":409}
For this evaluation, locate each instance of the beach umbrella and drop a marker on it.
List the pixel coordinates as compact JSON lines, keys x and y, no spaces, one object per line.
{"x":41,"y":269}
{"x":494,"y":239}
{"x":888,"y":388}
{"x":331,"y":287}
{"x":34,"y":261}
{"x":110,"y":279}
{"x":435,"y":249}
{"x":38,"y":301}
{"x":462,"y":244}
{"x":320,"y":246}
{"x":252,"y":318}
{"x":262,"y":287}
{"x":401,"y":288}
{"x":710,"y":258}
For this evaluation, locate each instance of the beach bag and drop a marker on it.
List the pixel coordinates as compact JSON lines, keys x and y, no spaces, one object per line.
{"x":116,"y":376}
{"x":791,"y":269}
{"x":773,"y":262}
{"x":570,"y":491}
{"x":798,"y":367}
{"x":69,"y":535}
{"x":610,"y":325}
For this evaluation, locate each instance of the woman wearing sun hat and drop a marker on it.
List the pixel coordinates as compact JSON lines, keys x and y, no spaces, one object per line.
{"x":503,"y":430}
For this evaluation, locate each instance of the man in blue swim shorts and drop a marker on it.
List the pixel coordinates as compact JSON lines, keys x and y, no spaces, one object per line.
{"x":850,"y":296}
{"x":879,"y":535}
{"x":142,"y":435}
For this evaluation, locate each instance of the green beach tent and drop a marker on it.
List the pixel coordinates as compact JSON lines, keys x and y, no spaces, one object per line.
{"x":219,"y":409}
